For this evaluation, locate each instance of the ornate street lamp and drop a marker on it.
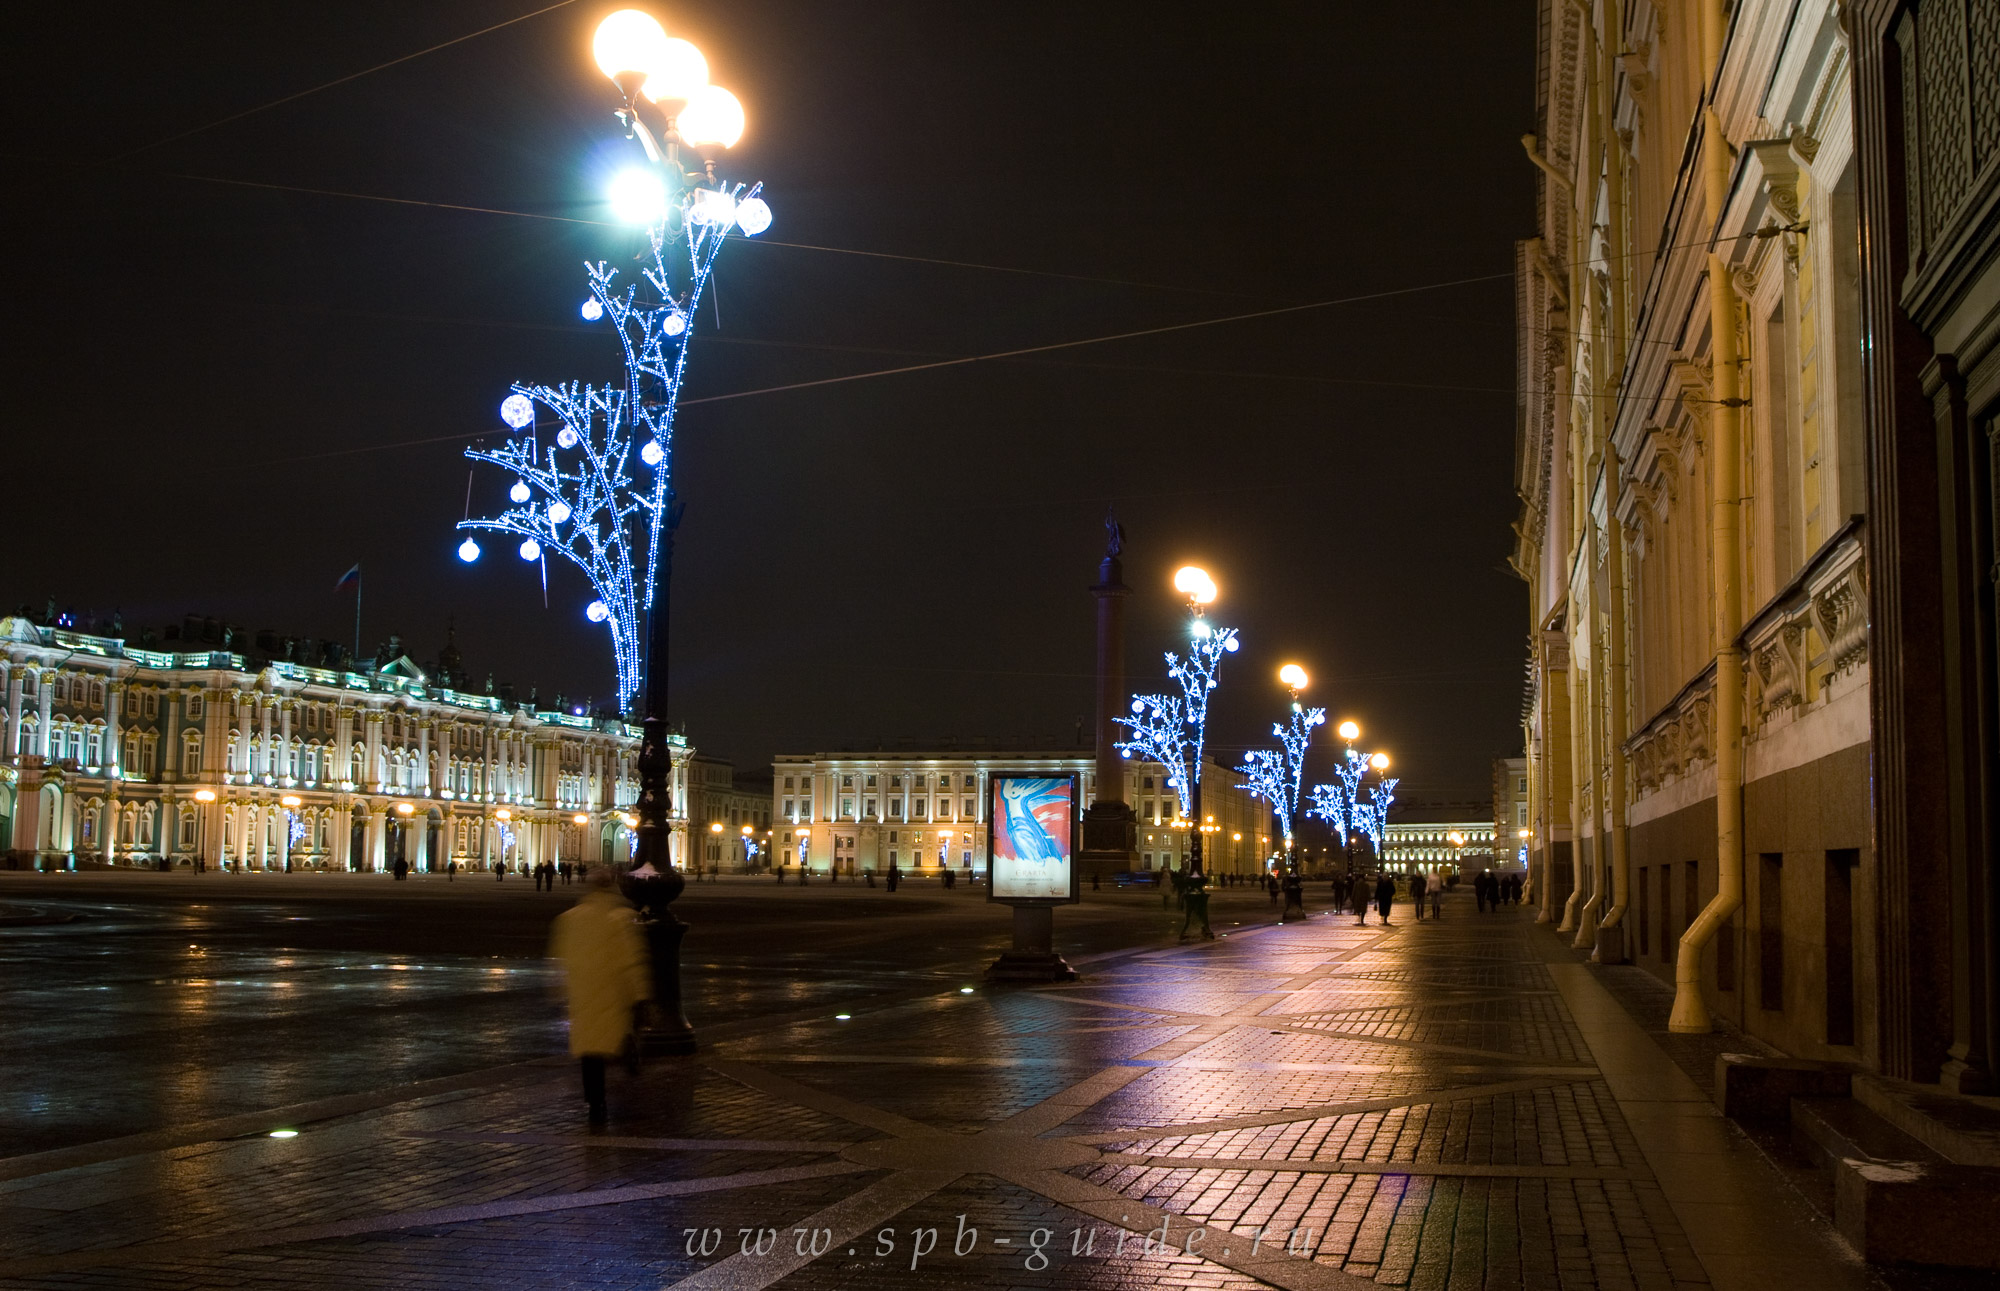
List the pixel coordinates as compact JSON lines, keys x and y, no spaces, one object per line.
{"x":1170,"y":729}
{"x":599,"y":492}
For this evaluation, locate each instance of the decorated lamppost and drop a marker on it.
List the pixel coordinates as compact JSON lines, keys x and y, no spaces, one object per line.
{"x":1170,"y":729}
{"x":1277,"y":775}
{"x":1340,"y":805}
{"x":601,"y":493}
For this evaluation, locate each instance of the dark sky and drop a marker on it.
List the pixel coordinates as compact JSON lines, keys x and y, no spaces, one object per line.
{"x":902,"y":558}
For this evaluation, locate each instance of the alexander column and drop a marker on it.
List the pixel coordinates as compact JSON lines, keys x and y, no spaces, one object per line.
{"x":1110,"y":834}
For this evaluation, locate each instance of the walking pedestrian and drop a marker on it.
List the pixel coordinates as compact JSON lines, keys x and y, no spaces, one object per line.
{"x":1357,"y":901}
{"x":1418,"y":883}
{"x":451,"y":871}
{"x":1271,"y":885}
{"x":607,"y":976}
{"x":1385,"y":895}
{"x":1194,"y":906}
{"x":1295,"y":897}
{"x":1437,"y":900}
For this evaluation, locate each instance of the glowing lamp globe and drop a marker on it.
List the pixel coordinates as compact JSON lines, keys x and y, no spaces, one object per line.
{"x":1380,"y":762}
{"x":516,"y":411}
{"x":712,"y":116}
{"x":753,"y":216}
{"x":638,"y":196}
{"x":1349,"y":731}
{"x":592,"y":311}
{"x":558,"y":512}
{"x":629,"y":44}
{"x":1193,"y":582}
{"x":597,"y":612}
{"x":468,"y":551}
{"x":566,"y":438}
{"x":678,"y":74}
{"x":531,"y":550}
{"x":1293,"y":676}
{"x":652,"y":454}
{"x":675,"y":324}
{"x":519,"y":493}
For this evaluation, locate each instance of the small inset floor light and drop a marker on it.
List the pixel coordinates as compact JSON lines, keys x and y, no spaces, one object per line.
{"x":842,"y":1017}
{"x":284,"y":1134}
{"x":965,"y":990}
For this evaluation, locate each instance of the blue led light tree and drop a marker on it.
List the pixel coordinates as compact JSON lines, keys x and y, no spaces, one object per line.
{"x":1372,"y":817}
{"x":1339,"y":804}
{"x":1171,"y":729}
{"x":599,"y":490}
{"x":1277,"y":775}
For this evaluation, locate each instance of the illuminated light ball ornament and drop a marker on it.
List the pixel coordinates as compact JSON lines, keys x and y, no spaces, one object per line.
{"x":712,"y":117}
{"x":597,"y":612}
{"x":516,"y":411}
{"x":519,"y":493}
{"x":531,"y":550}
{"x":674,"y":324}
{"x":566,"y":438}
{"x":1229,"y":645}
{"x":638,"y":196}
{"x":652,"y":454}
{"x":558,"y":512}
{"x":468,"y":551}
{"x":753,"y":216}
{"x":592,"y":311}
{"x":713,"y":207}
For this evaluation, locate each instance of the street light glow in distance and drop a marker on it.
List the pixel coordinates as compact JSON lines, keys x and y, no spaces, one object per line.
{"x":1379,"y":761}
{"x":1350,"y":731}
{"x":1293,"y":676}
{"x":713,"y":117}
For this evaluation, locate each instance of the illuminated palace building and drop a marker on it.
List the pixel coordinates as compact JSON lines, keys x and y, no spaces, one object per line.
{"x":1441,"y":843}
{"x":855,"y":812}
{"x":242,"y":756}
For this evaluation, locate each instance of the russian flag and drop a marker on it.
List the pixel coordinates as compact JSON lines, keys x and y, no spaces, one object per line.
{"x":351,"y":576}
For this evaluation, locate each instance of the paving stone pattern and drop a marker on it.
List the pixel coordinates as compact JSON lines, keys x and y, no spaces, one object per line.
{"x":1303,"y":1105}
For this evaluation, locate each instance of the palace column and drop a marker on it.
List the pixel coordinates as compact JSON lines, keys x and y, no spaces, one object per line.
{"x":423,"y":776}
{"x":371,"y":757}
{"x":245,"y":705}
{"x":372,"y":843}
{"x":108,"y":833}
{"x":114,"y":738}
{"x":45,"y":710}
{"x":16,"y":676}
{"x":284,"y":768}
{"x":264,"y":764}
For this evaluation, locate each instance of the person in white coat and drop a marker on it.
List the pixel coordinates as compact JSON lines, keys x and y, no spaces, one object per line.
{"x":607,"y":976}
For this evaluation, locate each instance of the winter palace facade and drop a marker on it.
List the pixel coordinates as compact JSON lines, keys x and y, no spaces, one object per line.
{"x":112,"y":755}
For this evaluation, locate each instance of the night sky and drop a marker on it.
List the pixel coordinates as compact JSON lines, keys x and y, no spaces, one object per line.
{"x":224,"y":395}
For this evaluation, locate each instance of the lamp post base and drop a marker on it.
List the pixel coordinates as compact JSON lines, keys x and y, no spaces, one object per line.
{"x":1033,"y":958}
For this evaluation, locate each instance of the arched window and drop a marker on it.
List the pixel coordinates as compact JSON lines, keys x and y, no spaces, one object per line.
{"x":148,"y":818}
{"x":191,"y":753}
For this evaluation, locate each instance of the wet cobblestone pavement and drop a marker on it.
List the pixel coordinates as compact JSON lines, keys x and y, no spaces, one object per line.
{"x":1445,"y":1104}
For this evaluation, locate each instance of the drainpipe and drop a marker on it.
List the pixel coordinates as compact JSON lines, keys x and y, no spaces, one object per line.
{"x":1610,"y":933}
{"x":1690,"y":1013}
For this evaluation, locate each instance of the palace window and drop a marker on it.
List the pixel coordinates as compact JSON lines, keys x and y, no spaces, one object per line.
{"x":191,"y":753}
{"x":847,"y":807}
{"x":868,"y":805}
{"x":965,"y":809}
{"x":871,"y":782}
{"x":194,"y":705}
{"x":970,"y":782}
{"x":847,"y":782}
{"x":917,"y":782}
{"x":917,"y":809}
{"x":186,"y":835}
{"x":895,"y":782}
